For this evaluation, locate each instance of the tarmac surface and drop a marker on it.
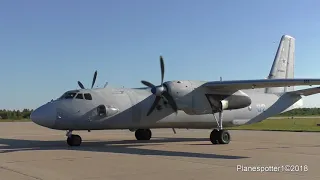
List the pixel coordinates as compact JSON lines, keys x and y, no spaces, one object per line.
{"x":31,"y":152}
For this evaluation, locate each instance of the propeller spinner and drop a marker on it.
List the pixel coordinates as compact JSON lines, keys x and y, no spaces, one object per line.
{"x":93,"y":81}
{"x":160,"y":92}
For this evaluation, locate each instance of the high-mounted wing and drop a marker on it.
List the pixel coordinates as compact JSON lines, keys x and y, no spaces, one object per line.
{"x":259,"y":83}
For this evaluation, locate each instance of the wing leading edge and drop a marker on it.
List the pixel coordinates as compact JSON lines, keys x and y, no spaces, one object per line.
{"x":259,"y":83}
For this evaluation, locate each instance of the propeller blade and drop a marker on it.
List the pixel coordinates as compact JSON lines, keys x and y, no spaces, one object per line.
{"x":162,"y":69}
{"x":171,"y":101}
{"x":160,"y":92}
{"x":81,"y":85}
{"x":155,"y":103}
{"x":146,"y":83}
{"x":94,"y":79}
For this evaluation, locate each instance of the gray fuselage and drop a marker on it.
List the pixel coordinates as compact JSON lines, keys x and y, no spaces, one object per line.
{"x":129,"y":108}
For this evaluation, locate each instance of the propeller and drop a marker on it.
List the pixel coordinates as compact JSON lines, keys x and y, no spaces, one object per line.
{"x":160,"y":92}
{"x":93,"y":81}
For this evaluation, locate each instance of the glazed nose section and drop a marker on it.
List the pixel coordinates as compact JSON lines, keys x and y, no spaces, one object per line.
{"x":44,"y":116}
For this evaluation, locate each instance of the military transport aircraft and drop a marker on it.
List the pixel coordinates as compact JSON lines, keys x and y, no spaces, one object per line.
{"x":179,"y":104}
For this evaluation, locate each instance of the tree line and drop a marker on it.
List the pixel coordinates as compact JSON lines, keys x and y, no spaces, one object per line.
{"x":302,"y":112}
{"x":15,"y":114}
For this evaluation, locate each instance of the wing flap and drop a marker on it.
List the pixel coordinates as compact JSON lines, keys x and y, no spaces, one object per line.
{"x":259,"y":83}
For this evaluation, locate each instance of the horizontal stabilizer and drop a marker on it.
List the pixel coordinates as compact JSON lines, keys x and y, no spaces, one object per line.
{"x":259,"y":83}
{"x":306,"y":92}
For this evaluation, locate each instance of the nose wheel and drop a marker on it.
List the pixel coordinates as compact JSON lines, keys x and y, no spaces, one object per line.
{"x":73,"y":139}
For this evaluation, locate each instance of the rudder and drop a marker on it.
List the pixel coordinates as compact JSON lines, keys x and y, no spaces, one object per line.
{"x":283,"y":64}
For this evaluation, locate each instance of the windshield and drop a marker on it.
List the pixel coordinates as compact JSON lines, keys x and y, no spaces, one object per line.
{"x":68,"y":95}
{"x":76,"y":95}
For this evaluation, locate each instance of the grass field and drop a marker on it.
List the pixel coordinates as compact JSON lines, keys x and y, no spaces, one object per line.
{"x":280,"y":124}
{"x":15,"y":120}
{"x":284,"y":124}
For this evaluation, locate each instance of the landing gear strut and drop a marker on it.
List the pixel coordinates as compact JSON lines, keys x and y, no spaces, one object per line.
{"x":219,"y":136}
{"x":143,"y":134}
{"x":73,"y":139}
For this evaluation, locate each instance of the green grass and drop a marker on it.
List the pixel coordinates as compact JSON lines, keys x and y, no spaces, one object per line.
{"x":285,"y":124}
{"x":312,"y":115}
{"x":15,"y":120}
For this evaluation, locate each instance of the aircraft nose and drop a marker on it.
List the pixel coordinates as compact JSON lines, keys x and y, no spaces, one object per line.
{"x":44,"y":116}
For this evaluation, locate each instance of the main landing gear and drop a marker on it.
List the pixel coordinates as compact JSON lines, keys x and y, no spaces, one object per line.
{"x":73,"y":139}
{"x":219,"y":136}
{"x":143,"y":134}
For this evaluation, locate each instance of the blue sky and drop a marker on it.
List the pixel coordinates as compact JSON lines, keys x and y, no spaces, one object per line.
{"x":47,"y":46}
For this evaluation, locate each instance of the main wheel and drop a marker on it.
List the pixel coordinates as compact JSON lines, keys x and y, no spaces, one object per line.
{"x":224,"y":137}
{"x":143,"y":134}
{"x":214,"y":136}
{"x":74,"y":140}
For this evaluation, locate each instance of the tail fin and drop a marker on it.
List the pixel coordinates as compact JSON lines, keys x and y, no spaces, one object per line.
{"x":283,"y":64}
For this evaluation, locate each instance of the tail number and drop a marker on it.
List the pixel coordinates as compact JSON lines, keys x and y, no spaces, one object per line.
{"x":261,"y":107}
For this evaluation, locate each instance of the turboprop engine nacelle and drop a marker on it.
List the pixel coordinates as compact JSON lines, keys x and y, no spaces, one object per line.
{"x":196,"y":101}
{"x":236,"y":100}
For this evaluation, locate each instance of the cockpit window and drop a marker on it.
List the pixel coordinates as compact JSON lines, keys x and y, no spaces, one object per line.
{"x":69,"y":95}
{"x":76,"y":95}
{"x":87,"y":96}
{"x":79,"y":96}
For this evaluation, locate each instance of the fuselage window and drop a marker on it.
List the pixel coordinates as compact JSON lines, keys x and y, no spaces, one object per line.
{"x":79,"y":96}
{"x":87,"y":96}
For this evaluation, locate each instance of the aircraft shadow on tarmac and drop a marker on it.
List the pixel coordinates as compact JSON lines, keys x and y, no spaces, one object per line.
{"x":121,"y":147}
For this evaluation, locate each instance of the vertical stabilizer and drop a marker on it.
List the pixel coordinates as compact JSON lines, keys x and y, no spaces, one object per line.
{"x":283,"y":64}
